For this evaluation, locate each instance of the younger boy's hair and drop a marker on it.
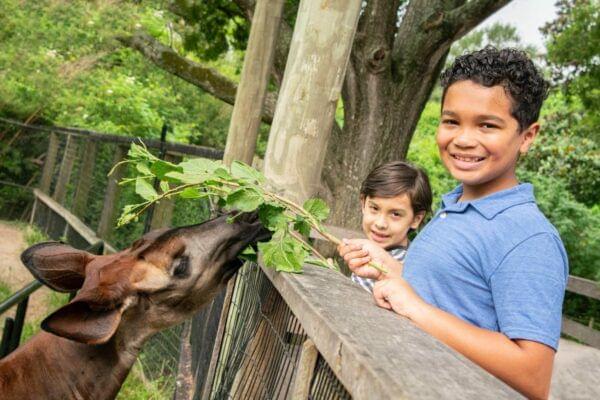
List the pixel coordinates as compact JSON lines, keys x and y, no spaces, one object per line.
{"x":510,"y":68}
{"x":398,"y":177}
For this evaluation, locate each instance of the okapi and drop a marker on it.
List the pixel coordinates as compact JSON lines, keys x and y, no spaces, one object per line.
{"x":87,"y":347}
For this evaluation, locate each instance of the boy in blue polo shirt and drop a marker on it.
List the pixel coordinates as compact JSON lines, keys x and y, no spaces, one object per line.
{"x":487,"y":275}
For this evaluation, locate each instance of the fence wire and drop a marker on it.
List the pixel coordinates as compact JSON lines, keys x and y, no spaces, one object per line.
{"x":262,"y":344}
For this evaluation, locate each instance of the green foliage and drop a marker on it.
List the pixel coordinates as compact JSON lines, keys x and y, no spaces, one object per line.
{"x":4,"y":291}
{"x":61,"y":63}
{"x":240,"y":188}
{"x":136,"y":387}
{"x":573,"y":43}
{"x":34,"y":235}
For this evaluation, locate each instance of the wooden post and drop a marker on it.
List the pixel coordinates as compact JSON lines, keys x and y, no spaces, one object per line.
{"x":251,"y":93}
{"x":49,"y":163}
{"x":66,"y":167}
{"x":305,"y":370}
{"x":110,"y":208}
{"x":163,"y":211}
{"x":243,"y":131}
{"x":86,"y":173}
{"x":311,"y":87}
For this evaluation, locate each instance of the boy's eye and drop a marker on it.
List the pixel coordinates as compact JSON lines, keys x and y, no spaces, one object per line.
{"x":446,"y":121}
{"x":486,"y":125}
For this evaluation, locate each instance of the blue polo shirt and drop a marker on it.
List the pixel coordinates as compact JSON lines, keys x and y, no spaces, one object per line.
{"x":495,"y":262}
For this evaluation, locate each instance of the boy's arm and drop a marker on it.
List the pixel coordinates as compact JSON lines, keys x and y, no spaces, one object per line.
{"x":525,"y":365}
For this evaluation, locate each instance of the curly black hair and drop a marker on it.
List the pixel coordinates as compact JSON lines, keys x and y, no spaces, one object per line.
{"x":510,"y":68}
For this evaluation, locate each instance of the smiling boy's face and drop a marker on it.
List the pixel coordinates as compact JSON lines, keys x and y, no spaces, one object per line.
{"x":387,"y":220}
{"x":479,"y":140}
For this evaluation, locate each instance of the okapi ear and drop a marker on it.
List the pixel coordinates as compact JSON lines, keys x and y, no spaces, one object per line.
{"x":79,"y":322}
{"x":57,"y":265}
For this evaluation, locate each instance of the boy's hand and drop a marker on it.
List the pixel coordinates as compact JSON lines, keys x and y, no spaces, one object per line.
{"x":359,"y":252}
{"x":396,"y":294}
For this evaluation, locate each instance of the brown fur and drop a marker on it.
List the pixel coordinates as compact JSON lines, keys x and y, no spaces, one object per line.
{"x":123,"y":299}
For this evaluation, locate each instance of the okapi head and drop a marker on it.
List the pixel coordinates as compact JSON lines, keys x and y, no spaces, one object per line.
{"x":161,"y":280}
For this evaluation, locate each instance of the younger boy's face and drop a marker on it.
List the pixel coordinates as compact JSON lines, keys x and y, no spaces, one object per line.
{"x":479,"y":139}
{"x":387,"y":220}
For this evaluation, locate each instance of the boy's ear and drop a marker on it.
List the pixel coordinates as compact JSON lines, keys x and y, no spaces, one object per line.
{"x":417,"y":219}
{"x":529,"y":136}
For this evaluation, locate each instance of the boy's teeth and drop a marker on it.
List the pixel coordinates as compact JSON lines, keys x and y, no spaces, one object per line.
{"x":468,"y":159}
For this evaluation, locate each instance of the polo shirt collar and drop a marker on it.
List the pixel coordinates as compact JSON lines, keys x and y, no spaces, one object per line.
{"x":492,"y":205}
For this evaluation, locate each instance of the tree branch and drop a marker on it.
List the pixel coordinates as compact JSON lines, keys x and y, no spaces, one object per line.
{"x":208,"y":79}
{"x":470,"y":14}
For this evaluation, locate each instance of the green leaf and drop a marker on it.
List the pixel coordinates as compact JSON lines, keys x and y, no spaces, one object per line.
{"x":283,"y":253}
{"x":138,"y":152}
{"x":245,"y":172}
{"x":249,"y":254}
{"x":273,"y":216}
{"x":179,"y":177}
{"x":302,"y":226}
{"x":245,"y":199}
{"x":199,"y":166}
{"x":145,"y":189}
{"x":222,"y":173}
{"x":317,"y":208}
{"x":143,"y":168}
{"x":160,"y":168}
{"x":192,"y":193}
{"x":164,"y":186}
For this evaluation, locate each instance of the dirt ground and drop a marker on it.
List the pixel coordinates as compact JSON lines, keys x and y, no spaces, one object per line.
{"x":14,"y":274}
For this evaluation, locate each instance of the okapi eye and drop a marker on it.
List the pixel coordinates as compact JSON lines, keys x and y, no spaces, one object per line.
{"x":181,"y":269}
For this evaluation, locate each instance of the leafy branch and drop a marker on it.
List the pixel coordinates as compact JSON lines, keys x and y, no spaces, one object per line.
{"x":241,"y":188}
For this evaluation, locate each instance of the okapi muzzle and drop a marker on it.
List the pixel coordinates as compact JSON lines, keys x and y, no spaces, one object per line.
{"x":122,"y":299}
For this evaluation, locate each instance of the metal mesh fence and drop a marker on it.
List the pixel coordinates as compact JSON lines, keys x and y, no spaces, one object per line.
{"x":262,"y":344}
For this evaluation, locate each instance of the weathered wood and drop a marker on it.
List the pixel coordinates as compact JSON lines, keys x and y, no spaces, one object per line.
{"x":49,"y":163}
{"x":251,"y":92}
{"x":110,"y":207}
{"x":394,"y":360}
{"x":584,"y":287}
{"x":163,"y":211}
{"x":581,"y":332}
{"x":88,"y":155}
{"x":305,"y":370}
{"x":184,"y":385}
{"x":66,"y":167}
{"x":225,"y":306}
{"x":75,"y":223}
{"x":576,"y":373}
{"x":311,"y":87}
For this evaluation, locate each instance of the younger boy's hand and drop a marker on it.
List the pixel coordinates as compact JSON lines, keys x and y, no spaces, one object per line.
{"x":358,"y":253}
{"x":396,"y":294}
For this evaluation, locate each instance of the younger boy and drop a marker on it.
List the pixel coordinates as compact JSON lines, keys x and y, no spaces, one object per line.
{"x":394,"y":199}
{"x":487,"y":275}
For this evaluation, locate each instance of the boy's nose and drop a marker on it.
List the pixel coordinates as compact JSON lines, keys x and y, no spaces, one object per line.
{"x":465,"y":138}
{"x":380,"y":222}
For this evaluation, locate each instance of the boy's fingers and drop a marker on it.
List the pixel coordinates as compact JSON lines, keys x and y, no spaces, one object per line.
{"x":358,"y":262}
{"x":355,"y":254}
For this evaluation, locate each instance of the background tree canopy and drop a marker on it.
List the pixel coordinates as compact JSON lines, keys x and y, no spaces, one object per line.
{"x":89,"y":64}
